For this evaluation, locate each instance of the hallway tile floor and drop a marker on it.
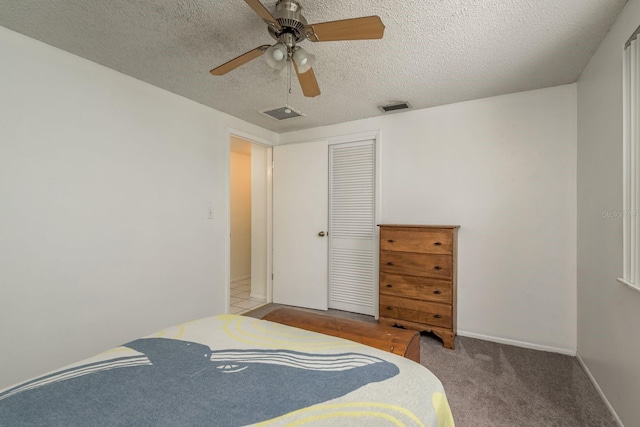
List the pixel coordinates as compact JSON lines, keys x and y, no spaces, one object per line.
{"x":241,"y":300}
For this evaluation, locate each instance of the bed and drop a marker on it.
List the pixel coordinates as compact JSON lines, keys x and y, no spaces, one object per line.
{"x":232,"y":370}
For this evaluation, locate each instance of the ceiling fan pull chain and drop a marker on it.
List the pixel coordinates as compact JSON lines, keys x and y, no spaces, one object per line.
{"x":289,"y":80}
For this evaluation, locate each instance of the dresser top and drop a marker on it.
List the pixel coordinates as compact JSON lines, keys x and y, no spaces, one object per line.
{"x":418,"y":226}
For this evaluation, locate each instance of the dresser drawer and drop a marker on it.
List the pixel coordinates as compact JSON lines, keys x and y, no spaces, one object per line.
{"x":416,"y":287}
{"x":427,"y":241}
{"x":416,"y":311}
{"x":413,"y":264}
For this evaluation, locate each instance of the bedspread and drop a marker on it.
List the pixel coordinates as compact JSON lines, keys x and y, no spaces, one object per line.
{"x":232,"y":370}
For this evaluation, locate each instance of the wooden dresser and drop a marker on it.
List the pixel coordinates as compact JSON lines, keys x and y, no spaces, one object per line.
{"x":418,"y":278}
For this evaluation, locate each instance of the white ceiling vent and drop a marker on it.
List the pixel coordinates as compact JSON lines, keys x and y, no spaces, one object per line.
{"x":282,"y":113}
{"x":395,"y":106}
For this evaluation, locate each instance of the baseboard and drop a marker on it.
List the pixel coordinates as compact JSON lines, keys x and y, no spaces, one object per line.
{"x":600,"y":392}
{"x":235,"y":279}
{"x":257,"y":296}
{"x":518,"y":343}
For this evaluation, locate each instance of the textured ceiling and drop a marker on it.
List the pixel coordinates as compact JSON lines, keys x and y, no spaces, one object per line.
{"x":434,"y":52}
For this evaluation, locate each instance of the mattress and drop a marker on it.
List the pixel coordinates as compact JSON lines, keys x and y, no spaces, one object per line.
{"x":232,"y":370}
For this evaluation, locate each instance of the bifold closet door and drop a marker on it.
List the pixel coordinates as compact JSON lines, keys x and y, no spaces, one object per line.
{"x":352,"y":227}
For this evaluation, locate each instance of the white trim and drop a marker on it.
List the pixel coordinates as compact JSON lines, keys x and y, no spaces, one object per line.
{"x":375,"y":135}
{"x":515,"y":343}
{"x":629,"y":284}
{"x":378,"y":215}
{"x":269,"y":297}
{"x":369,"y":135}
{"x":227,"y":225}
{"x":631,"y":164}
{"x":257,"y":296}
{"x":599,"y":390}
{"x":249,"y":137}
{"x":353,"y":137}
{"x":227,"y":200}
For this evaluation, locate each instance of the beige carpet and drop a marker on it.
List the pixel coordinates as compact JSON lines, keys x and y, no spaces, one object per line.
{"x":490,"y":384}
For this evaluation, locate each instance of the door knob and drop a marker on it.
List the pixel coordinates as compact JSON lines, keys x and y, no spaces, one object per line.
{"x":321,"y":234}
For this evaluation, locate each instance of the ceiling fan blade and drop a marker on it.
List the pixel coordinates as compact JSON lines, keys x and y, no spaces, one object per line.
{"x":308,"y":82}
{"x":262,"y":11}
{"x":240,"y":60}
{"x":365,"y":28}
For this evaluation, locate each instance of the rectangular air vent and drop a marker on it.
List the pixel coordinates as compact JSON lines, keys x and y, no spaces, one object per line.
{"x":395,"y":106}
{"x":282,"y":113}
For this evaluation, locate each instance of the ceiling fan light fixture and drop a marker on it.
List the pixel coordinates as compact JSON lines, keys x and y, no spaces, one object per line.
{"x":276,"y":56}
{"x":289,"y":27}
{"x":303,"y":59}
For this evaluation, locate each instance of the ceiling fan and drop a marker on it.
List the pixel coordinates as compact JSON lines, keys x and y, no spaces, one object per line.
{"x":289,"y":27}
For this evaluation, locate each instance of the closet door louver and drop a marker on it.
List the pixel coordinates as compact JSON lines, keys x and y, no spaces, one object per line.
{"x":352,"y":250}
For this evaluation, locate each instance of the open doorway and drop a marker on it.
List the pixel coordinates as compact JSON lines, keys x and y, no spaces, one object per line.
{"x":250,"y":219}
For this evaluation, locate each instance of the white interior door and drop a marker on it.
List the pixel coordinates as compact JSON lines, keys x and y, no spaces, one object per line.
{"x":300,"y":213}
{"x":353,"y":280}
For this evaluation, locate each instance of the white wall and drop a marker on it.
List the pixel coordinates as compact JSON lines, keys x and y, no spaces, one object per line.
{"x":240,"y":199}
{"x":504,"y":169}
{"x":608,"y":312}
{"x":105,"y":185}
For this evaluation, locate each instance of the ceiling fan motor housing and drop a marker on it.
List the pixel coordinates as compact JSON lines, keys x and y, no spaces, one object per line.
{"x":288,"y":14}
{"x":288,"y":27}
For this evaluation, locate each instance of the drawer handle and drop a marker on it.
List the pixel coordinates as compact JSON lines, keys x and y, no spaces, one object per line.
{"x":437,"y":243}
{"x":437,"y":292}
{"x":390,"y":240}
{"x":437,"y":267}
{"x":437,"y":316}
{"x":389,"y":307}
{"x":390,"y":263}
{"x":389,"y":285}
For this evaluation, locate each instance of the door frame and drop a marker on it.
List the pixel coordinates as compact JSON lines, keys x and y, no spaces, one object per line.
{"x":356,"y":244}
{"x":227,"y":235}
{"x":374,"y":135}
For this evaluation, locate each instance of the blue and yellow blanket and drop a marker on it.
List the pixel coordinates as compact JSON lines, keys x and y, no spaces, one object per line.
{"x":231,"y":371}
